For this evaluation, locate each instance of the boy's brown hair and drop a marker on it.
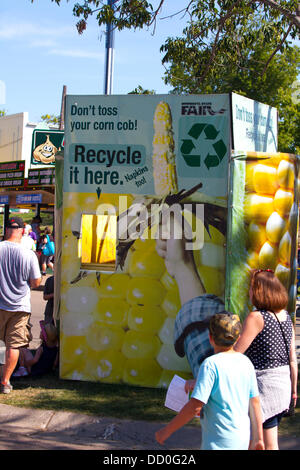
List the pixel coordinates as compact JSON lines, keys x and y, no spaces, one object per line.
{"x":266,"y":291}
{"x":225,"y":328}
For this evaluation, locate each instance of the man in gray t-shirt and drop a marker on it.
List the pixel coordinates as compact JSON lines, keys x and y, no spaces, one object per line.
{"x":19,"y":271}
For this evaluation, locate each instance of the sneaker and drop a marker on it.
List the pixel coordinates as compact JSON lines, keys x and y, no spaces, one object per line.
{"x":21,"y":372}
{"x":6,"y":388}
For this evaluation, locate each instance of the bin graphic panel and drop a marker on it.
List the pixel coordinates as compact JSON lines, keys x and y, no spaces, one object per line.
{"x":127,"y":160}
{"x":263,"y":223}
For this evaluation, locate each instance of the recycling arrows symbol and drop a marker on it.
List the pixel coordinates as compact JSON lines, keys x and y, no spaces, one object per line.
{"x":211,"y":133}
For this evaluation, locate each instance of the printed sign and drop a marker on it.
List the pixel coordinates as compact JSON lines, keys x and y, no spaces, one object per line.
{"x":117,"y":144}
{"x":12,"y":174}
{"x":45,"y":145}
{"x":41,"y":177}
{"x":254,"y":125}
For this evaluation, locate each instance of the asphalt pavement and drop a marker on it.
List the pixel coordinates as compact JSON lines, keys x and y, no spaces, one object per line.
{"x":31,"y":429}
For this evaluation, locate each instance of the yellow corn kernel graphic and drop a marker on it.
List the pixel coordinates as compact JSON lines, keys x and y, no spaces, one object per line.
{"x":256,"y":235}
{"x":146,"y":319}
{"x":265,"y":179}
{"x":283,"y":274}
{"x":146,"y":264}
{"x":268,"y":256}
{"x":275,"y":227}
{"x":112,"y":312}
{"x":283,"y":201}
{"x":252,"y":259}
{"x":257,"y":207}
{"x":145,"y":291}
{"x":286,"y":175}
{"x":144,"y":372}
{"x":284,"y":249}
{"x":140,"y":345}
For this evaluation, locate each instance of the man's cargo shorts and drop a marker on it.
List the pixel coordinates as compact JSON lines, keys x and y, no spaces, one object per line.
{"x":15,"y":329}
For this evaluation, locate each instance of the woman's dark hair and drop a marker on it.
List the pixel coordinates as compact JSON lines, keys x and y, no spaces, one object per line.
{"x":266,"y":291}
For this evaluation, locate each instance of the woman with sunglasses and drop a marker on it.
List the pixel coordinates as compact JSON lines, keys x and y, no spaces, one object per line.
{"x":267,"y":338}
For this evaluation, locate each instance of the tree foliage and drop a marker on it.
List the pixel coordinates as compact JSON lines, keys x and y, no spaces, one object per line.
{"x":51,"y":119}
{"x":218,"y":27}
{"x":139,"y":90}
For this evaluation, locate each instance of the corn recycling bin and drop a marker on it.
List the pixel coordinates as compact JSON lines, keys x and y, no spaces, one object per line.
{"x":132,"y":165}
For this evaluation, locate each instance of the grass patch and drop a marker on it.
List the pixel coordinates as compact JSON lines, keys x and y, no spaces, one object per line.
{"x":106,"y":400}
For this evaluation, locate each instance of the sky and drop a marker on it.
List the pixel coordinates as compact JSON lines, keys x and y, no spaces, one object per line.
{"x":41,"y":52}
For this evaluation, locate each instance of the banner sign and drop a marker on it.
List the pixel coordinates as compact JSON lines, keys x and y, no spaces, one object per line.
{"x":29,"y":198}
{"x":114,"y":143}
{"x":254,"y":125}
{"x":41,"y":177}
{"x":4,"y":199}
{"x":12,"y":174}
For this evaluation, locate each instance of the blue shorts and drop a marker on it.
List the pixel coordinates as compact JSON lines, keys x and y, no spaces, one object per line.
{"x":272,"y":422}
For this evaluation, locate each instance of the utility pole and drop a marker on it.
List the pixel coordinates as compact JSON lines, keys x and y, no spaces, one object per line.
{"x":62,"y":109}
{"x":109,"y":59}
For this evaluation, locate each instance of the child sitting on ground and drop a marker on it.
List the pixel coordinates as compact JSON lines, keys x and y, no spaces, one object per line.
{"x":45,"y":358}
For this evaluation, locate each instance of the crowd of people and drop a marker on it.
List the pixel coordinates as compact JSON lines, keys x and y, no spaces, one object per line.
{"x":42,"y":242}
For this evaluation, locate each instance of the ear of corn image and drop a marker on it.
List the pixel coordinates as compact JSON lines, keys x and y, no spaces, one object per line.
{"x":270,"y":215}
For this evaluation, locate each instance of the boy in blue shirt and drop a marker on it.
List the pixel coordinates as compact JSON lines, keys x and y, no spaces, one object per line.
{"x":225,"y":391}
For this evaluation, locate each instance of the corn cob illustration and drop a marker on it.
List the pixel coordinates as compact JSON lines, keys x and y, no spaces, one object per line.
{"x":163,"y":156}
{"x":268,"y":209}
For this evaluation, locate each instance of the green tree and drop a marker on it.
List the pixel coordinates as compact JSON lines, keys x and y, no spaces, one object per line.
{"x":211,"y":23}
{"x":2,"y":112}
{"x":139,"y":90}
{"x":51,"y":119}
{"x":249,"y":74}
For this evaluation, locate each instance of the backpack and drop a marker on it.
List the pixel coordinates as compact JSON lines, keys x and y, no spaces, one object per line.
{"x":49,"y":248}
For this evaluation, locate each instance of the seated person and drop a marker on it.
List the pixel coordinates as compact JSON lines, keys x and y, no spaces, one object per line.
{"x":45,"y":358}
{"x":49,"y":296}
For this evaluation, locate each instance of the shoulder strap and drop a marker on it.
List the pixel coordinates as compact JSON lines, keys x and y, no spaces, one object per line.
{"x":285,"y":341}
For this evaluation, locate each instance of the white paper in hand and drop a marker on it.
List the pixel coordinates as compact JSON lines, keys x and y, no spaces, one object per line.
{"x":176,"y":396}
